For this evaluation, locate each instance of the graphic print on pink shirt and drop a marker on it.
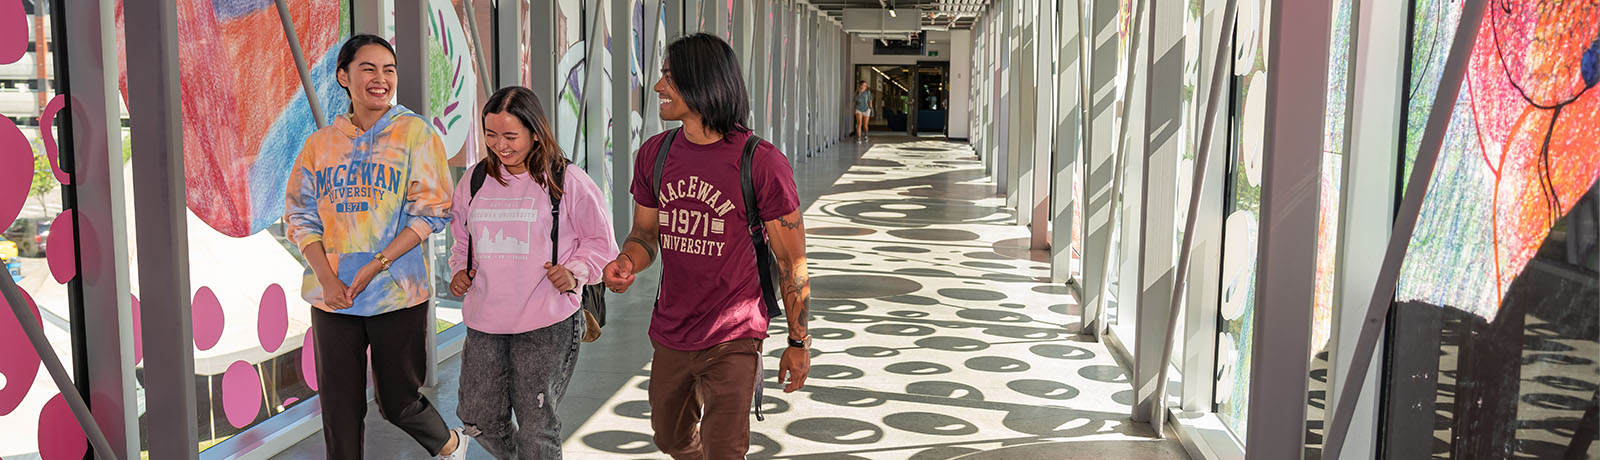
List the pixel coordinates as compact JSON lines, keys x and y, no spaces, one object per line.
{"x":503,"y":227}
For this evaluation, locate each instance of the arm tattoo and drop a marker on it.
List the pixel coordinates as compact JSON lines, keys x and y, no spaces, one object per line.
{"x":789,"y":225}
{"x":648,"y":251}
{"x":797,"y":293}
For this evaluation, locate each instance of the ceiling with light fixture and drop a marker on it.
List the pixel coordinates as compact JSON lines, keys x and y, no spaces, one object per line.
{"x":936,"y":14}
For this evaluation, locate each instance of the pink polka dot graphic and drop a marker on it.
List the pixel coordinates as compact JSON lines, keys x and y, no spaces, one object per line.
{"x":19,"y":363}
{"x":308,"y":361}
{"x":138,"y":332}
{"x":272,"y":320}
{"x":207,"y":319}
{"x":46,"y":119}
{"x":63,"y":256}
{"x":13,"y":31}
{"x":16,"y":168}
{"x":241,"y":394}
{"x":60,"y":436}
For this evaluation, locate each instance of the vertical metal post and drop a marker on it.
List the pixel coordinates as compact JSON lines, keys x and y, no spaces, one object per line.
{"x":542,"y":53}
{"x":622,"y":124}
{"x":1286,"y":277}
{"x":1163,"y":113}
{"x":1376,"y":99}
{"x":1100,"y":163}
{"x":411,"y":33}
{"x":593,"y":124}
{"x":86,"y":62}
{"x":759,"y":36}
{"x":153,"y":100}
{"x":1011,"y":96}
{"x":1044,"y":101}
{"x":368,"y":16}
{"x":1069,"y":128}
{"x":651,"y":71}
{"x":508,"y":43}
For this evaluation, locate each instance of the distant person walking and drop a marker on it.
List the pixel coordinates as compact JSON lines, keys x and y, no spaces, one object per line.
{"x":863,"y":110}
{"x":362,"y":195}
{"x":711,"y":317}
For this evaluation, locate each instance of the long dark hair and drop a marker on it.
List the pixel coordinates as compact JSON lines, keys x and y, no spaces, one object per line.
{"x":706,"y":73}
{"x":348,"y":52}
{"x":521,"y":103}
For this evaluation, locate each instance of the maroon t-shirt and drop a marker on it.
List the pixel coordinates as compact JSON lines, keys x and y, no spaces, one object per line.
{"x":710,"y":292}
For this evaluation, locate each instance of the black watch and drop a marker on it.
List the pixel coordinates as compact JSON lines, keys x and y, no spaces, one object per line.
{"x":804,"y":342}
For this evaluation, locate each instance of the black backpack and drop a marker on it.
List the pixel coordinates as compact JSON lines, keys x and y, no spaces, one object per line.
{"x":765,"y":262}
{"x":594,"y":301}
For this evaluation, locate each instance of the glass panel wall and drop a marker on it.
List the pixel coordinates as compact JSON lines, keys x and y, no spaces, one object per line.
{"x":1234,"y":342}
{"x":38,"y":243}
{"x":1495,"y":334}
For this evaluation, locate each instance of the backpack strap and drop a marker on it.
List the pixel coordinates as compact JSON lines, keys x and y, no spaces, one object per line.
{"x":758,"y":234}
{"x":479,"y":172}
{"x":661,"y":162}
{"x":558,"y":172}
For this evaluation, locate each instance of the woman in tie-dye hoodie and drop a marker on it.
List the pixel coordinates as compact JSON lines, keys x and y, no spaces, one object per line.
{"x":361,"y":197}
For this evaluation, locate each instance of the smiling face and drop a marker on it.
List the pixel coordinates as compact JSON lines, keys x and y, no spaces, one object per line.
{"x":672,"y":105}
{"x":370,"y":78}
{"x":861,"y":87}
{"x":508,"y":139}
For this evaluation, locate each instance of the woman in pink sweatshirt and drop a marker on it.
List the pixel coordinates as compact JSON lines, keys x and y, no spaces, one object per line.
{"x":521,"y":307}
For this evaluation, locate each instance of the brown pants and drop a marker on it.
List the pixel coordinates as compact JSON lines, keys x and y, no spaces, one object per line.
{"x":710,"y":389}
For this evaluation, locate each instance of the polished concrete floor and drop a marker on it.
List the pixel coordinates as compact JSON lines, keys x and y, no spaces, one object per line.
{"x":937,"y":336}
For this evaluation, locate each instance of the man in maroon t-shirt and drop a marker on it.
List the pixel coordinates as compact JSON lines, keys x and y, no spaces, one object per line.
{"x":709,"y":320}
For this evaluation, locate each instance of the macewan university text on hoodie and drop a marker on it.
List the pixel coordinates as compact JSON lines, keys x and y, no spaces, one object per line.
{"x":510,"y":230}
{"x":355,"y":191}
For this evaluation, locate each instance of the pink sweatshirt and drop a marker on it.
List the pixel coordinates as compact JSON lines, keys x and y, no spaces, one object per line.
{"x":510,"y":230}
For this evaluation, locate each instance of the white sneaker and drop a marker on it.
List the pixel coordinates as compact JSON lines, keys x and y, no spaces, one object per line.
{"x":461,"y":445}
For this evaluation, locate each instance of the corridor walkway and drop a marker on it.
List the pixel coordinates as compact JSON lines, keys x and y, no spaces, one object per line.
{"x":937,"y":336}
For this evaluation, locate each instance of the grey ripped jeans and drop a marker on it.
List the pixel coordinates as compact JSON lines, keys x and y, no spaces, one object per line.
{"x":523,"y":373}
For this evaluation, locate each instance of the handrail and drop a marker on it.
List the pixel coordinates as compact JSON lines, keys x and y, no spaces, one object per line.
{"x":52,"y":363}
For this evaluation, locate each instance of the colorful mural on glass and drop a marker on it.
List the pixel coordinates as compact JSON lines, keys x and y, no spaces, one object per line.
{"x":241,"y":130}
{"x":1236,"y":338}
{"x":1522,"y":146}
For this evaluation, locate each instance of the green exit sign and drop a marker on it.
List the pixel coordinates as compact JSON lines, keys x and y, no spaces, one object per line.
{"x":933,"y":54}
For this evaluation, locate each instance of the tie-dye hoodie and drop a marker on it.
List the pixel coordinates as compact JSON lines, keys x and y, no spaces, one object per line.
{"x":356,"y":191}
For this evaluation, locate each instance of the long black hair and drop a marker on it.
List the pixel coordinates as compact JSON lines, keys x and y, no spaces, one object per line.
{"x":347,"y":53}
{"x":706,"y":74}
{"x":546,"y":156}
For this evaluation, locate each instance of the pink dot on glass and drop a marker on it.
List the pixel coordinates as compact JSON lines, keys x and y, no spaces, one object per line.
{"x":16,"y":166}
{"x":60,"y":436}
{"x":13,"y":31}
{"x":20,"y":362}
{"x":241,"y":394}
{"x":138,"y":332}
{"x":308,"y":361}
{"x":290,"y":401}
{"x":62,"y":256}
{"x":272,"y":320}
{"x":207,"y":319}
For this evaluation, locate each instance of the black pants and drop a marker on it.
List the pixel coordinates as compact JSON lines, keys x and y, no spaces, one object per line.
{"x":399,"y":364}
